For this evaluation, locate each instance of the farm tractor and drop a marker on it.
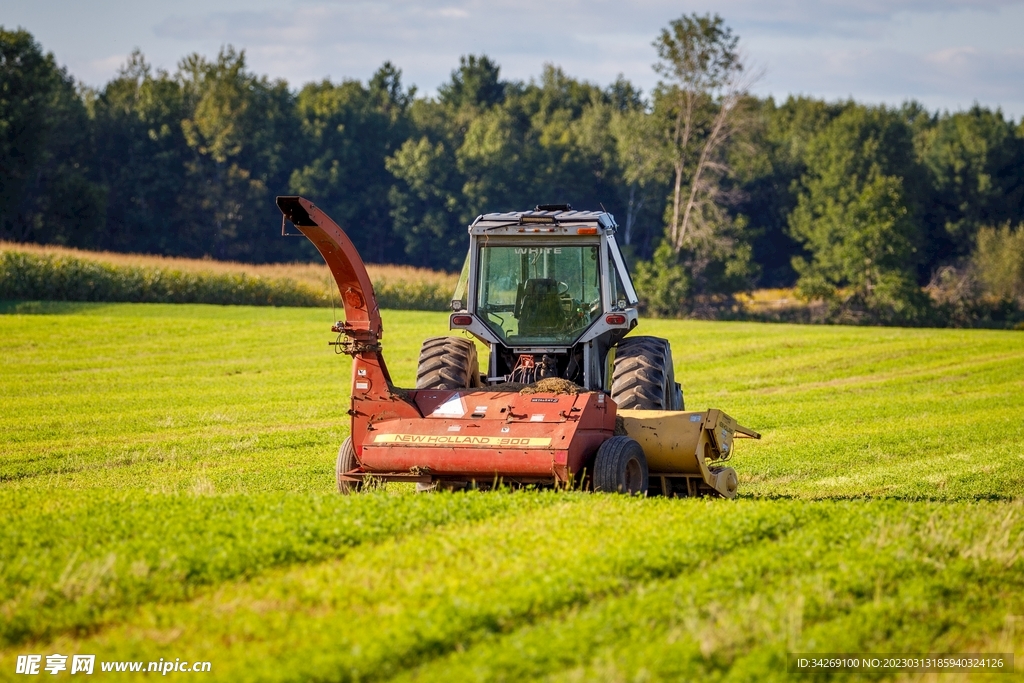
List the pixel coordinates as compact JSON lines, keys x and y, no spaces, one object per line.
{"x":566,"y":399}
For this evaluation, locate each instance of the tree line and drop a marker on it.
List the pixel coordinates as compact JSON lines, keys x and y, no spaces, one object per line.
{"x":882,"y":214}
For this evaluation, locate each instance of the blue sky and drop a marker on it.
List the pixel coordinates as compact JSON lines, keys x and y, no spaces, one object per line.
{"x":947,"y":54}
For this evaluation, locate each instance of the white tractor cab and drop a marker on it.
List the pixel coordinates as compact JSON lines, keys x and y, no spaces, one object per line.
{"x":548,"y":291}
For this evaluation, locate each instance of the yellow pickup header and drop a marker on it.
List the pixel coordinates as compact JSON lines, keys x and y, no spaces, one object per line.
{"x":464,"y":440}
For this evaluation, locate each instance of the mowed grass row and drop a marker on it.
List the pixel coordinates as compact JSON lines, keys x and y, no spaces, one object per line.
{"x":160,"y":454}
{"x":611,"y":589}
{"x":180,"y":398}
{"x":77,"y":560}
{"x":853,"y":412}
{"x":163,"y":450}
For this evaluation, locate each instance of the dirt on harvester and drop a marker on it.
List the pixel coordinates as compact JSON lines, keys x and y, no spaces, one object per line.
{"x":505,"y":386}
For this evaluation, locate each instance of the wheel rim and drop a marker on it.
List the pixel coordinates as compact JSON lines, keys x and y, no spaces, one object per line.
{"x":634,"y":476}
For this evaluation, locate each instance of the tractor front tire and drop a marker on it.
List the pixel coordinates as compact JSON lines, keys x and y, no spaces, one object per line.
{"x":346,"y":463}
{"x":621,"y":467}
{"x":448,"y":363}
{"x":643,"y":377}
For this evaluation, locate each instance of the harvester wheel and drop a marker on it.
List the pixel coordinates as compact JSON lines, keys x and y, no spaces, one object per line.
{"x":643,"y":377}
{"x":346,"y":463}
{"x":620,"y":467}
{"x":448,"y":363}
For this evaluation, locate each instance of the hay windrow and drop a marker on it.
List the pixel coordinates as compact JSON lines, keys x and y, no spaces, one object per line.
{"x":552,"y":385}
{"x":506,"y":386}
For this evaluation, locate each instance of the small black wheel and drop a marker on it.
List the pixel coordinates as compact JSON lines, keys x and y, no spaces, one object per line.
{"x":621,"y":467}
{"x":346,"y":463}
{"x":448,"y":363}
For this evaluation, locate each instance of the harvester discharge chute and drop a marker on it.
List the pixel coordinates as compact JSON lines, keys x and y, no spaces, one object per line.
{"x":566,"y":397}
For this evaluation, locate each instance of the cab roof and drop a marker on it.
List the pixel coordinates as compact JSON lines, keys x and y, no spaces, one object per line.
{"x":556,"y":221}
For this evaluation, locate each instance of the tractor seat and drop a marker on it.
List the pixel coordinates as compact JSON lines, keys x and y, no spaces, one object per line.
{"x":541,"y":311}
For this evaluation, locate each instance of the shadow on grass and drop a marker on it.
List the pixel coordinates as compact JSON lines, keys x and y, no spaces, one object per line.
{"x":47,"y":307}
{"x":905,"y":498}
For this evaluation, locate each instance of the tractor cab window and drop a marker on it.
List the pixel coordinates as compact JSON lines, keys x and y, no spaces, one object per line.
{"x":459,"y":297}
{"x":618,"y":292}
{"x":540,"y":294}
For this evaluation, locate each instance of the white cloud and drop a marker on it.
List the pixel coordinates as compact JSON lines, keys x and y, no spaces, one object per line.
{"x":942,"y":52}
{"x":452,"y":12}
{"x":952,"y":79}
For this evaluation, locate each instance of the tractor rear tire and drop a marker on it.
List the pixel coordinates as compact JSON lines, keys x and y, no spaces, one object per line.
{"x":643,"y":377}
{"x":448,"y":363}
{"x":621,"y":467}
{"x":346,"y":463}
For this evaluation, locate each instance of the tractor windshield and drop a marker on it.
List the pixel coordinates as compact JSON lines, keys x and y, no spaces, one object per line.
{"x":539,"y":295}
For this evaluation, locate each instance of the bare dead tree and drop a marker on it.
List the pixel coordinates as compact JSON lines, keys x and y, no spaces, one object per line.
{"x":706,"y":83}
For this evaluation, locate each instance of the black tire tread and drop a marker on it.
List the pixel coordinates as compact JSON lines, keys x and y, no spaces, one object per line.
{"x":447,"y":363}
{"x":643,"y":377}
{"x":610,"y":464}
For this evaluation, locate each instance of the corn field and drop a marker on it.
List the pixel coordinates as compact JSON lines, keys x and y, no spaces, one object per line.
{"x":31,"y":273}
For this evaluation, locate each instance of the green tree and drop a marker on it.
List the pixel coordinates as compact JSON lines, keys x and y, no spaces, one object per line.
{"x":766,"y":166}
{"x":477,"y":83}
{"x":541,"y":142}
{"x":999,"y":261}
{"x":449,"y":173}
{"x":426,"y":207}
{"x":47,"y":193}
{"x":698,"y":102}
{"x":241,"y":131}
{"x":663,"y":283}
{"x":855,"y":216}
{"x":641,"y":171}
{"x":348,"y":131}
{"x":534,"y":148}
{"x":976,"y":167}
{"x":428,"y":200}
{"x":699,"y":107}
{"x":141,"y":154}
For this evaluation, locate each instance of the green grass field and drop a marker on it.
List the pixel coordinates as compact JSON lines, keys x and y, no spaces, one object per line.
{"x":166,"y":491}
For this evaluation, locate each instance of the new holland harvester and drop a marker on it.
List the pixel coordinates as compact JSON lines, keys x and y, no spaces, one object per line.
{"x":566,"y":397}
